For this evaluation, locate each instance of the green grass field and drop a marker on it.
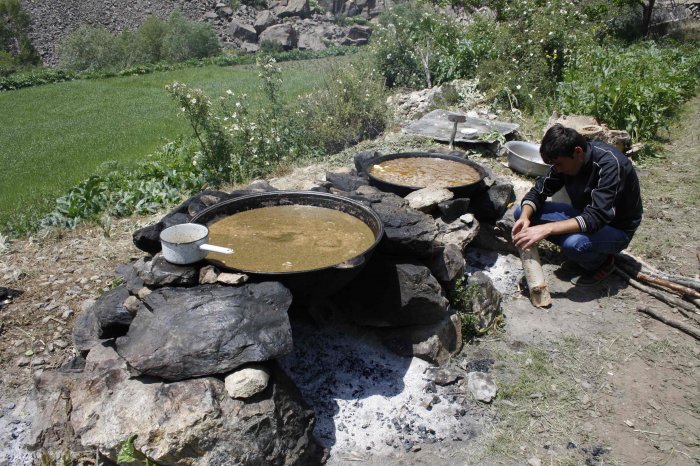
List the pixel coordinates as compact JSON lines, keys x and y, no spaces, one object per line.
{"x":54,"y":136}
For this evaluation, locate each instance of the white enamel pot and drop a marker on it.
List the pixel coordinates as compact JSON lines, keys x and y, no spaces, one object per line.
{"x":187,"y":243}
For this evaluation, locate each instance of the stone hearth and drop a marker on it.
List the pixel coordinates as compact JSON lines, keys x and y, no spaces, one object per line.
{"x":187,"y":357}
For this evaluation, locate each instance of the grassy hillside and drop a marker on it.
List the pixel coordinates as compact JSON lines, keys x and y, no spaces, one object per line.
{"x":53,"y":136}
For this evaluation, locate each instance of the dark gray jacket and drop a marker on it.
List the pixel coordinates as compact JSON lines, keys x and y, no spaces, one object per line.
{"x":605,"y":191}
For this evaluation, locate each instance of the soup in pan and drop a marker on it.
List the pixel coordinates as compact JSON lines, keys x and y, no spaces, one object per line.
{"x":289,"y":238}
{"x":425,"y":171}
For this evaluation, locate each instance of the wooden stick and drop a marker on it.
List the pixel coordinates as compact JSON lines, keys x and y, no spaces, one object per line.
{"x":639,"y":264}
{"x":673,"y":323}
{"x":641,"y":276}
{"x":670,"y":300}
{"x":539,"y":292}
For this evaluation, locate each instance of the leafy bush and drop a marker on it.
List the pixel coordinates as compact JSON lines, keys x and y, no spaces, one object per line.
{"x":239,"y":142}
{"x":186,"y":39}
{"x":418,"y":46}
{"x":162,"y":181}
{"x":637,"y":89}
{"x":88,"y":48}
{"x":350,"y":107}
{"x":533,"y":43}
{"x":174,"y":40}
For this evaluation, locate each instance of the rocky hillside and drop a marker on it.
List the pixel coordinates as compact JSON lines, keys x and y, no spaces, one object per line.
{"x":292,"y":23}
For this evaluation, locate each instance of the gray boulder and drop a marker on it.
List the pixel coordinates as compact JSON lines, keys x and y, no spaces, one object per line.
{"x":490,"y":205}
{"x":393,"y":292}
{"x":86,"y":331}
{"x":406,"y":231}
{"x":311,"y":41}
{"x":190,"y":422}
{"x":346,"y":182}
{"x":460,"y":232}
{"x":452,"y":209}
{"x":106,"y":318}
{"x":435,"y":343}
{"x":482,"y":386}
{"x":244,"y":32}
{"x":210,"y":329}
{"x":357,"y":35}
{"x":157,"y":272}
{"x":113,"y":318}
{"x":282,"y":34}
{"x":447,"y":265}
{"x":485,"y":303}
{"x":362,"y":160}
{"x":289,"y":8}
{"x":131,"y":278}
{"x":263,"y":20}
{"x":427,"y":199}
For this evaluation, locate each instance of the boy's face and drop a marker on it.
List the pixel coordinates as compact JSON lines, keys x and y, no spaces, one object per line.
{"x":570,"y":165}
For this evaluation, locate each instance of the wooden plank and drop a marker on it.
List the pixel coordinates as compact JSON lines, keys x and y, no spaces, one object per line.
{"x":436,"y":125}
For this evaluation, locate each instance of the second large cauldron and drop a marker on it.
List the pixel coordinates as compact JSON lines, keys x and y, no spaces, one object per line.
{"x":461,"y":189}
{"x":304,"y":283}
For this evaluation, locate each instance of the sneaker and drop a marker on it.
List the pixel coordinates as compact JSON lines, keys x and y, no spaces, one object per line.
{"x":597,"y":276}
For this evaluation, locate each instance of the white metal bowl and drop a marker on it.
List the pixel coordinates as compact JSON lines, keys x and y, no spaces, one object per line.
{"x":524,"y":157}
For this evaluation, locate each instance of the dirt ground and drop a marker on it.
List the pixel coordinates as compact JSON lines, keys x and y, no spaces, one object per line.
{"x":588,"y":381}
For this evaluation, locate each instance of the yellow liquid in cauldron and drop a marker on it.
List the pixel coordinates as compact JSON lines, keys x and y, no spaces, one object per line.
{"x":289,"y":238}
{"x":422,"y":172}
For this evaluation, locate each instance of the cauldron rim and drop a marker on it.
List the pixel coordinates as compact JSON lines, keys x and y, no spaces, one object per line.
{"x":404,"y":189}
{"x":347,"y":265}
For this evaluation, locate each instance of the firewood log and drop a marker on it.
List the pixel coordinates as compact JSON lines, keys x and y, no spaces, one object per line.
{"x":539,"y":292}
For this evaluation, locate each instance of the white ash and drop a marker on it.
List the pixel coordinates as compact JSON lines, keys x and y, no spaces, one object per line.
{"x":504,"y":270}
{"x":369,"y":401}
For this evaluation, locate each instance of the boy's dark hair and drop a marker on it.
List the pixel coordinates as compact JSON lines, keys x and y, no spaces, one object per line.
{"x":560,"y":141}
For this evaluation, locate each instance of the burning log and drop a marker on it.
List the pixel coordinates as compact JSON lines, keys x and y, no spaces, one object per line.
{"x":539,"y":292}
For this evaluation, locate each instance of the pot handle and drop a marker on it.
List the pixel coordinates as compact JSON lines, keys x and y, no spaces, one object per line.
{"x":212,"y":248}
{"x":351,"y":263}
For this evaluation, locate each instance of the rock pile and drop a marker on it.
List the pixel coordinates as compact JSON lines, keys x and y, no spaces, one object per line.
{"x":185,"y":357}
{"x":289,"y":23}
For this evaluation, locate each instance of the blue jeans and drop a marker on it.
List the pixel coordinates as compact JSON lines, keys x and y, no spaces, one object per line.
{"x":587,"y":250}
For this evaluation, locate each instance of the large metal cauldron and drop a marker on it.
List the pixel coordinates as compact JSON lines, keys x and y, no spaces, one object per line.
{"x":307,"y":283}
{"x":402,"y":190}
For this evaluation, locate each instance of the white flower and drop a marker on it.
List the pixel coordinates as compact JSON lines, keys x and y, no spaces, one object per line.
{"x":229,"y":92}
{"x":518,"y":87}
{"x":193,"y":101}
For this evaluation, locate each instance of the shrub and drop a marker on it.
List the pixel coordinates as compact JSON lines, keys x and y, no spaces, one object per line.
{"x":185,"y":40}
{"x":163,"y":180}
{"x":533,"y":43}
{"x":350,"y":107}
{"x":88,"y":48}
{"x":417,"y":46}
{"x":150,"y":39}
{"x":239,"y":142}
{"x":175,"y":40}
{"x":637,"y":89}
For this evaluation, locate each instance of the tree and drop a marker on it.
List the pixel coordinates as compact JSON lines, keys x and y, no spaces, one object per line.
{"x":14,"y":40}
{"x":647,"y":7}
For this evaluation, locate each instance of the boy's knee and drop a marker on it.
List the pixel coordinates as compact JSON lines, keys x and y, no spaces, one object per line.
{"x":516,"y":213}
{"x":576,"y":243}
